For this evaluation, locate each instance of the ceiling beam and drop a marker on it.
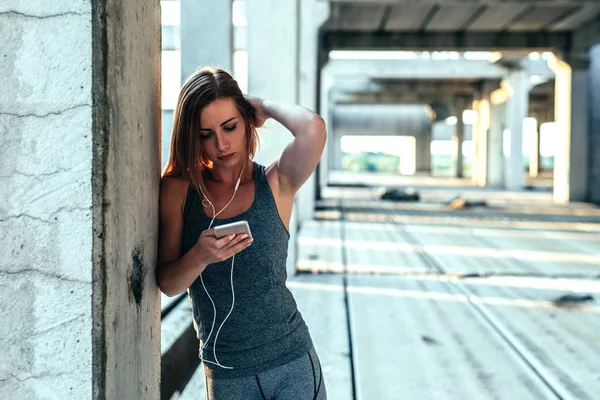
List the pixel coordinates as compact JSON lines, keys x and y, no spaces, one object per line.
{"x":453,"y":41}
{"x":414,"y":69}
{"x":426,"y":87}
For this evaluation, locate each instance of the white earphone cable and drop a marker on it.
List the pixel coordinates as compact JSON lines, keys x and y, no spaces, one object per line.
{"x":202,"y":346}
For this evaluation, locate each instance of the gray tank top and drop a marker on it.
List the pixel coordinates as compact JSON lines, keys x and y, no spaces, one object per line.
{"x":265,"y":329}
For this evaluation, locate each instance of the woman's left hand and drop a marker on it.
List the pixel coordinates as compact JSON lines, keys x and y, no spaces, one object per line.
{"x":261,"y":115}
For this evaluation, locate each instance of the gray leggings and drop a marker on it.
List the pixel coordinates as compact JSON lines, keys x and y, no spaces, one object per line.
{"x":300,"y":379}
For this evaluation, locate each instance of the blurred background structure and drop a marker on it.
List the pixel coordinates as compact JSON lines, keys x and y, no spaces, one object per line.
{"x":447,"y":247}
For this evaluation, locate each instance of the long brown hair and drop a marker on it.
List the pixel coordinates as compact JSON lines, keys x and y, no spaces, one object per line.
{"x":187,"y":158}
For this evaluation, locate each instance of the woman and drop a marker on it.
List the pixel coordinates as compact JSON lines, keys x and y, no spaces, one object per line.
{"x":254,"y":343}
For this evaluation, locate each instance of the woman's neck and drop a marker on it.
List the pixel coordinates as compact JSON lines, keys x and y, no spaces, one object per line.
{"x":229,"y":176}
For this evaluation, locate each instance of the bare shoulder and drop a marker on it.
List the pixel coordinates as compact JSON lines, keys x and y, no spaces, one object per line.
{"x":173,"y":193}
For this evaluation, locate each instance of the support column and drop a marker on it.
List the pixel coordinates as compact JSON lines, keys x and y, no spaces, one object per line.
{"x":313,"y":13}
{"x":571,"y":114}
{"x":534,"y":158}
{"x":594,"y":129}
{"x":495,"y":149}
{"x":517,"y":109}
{"x":460,"y":105}
{"x":336,"y":151}
{"x":423,"y":151}
{"x":206,"y":35}
{"x":79,"y":155}
{"x":481,"y":134}
{"x":327,"y":159}
{"x":270,"y":37}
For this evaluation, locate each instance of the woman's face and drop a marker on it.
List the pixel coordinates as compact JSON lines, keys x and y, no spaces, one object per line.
{"x":223,"y":133}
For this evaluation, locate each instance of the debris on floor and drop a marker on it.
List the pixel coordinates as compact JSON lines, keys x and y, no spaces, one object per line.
{"x":400,"y":195}
{"x":573,"y":298}
{"x":460,"y":203}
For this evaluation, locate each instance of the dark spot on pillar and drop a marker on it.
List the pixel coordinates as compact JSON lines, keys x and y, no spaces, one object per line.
{"x":429,"y":340}
{"x":136,"y":278}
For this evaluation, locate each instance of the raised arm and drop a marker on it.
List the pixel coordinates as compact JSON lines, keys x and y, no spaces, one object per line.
{"x":300,"y":158}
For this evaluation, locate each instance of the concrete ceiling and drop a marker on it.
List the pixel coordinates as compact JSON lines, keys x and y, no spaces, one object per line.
{"x":460,"y":15}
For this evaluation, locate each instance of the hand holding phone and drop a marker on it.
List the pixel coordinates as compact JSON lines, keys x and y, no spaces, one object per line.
{"x":235,"y":228}
{"x":223,"y":241}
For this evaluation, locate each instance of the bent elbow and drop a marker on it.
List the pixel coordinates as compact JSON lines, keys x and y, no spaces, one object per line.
{"x":163,"y":285}
{"x":169,"y":292}
{"x":319,"y":128}
{"x":164,"y":289}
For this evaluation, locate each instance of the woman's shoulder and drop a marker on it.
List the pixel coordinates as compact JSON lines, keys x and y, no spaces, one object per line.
{"x":173,"y":191}
{"x":174,"y":183}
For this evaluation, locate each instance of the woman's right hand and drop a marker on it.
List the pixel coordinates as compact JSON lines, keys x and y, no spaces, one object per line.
{"x":213,"y":250}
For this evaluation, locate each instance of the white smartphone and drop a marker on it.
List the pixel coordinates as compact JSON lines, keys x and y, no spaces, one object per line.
{"x":234,"y":228}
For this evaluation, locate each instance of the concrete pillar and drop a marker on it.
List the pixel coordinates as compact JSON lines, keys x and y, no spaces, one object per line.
{"x":79,"y":155}
{"x":206,"y":35}
{"x":534,"y":158}
{"x":481,"y":134}
{"x":460,"y":105}
{"x":273,"y":74}
{"x":336,"y":151}
{"x":517,"y":109}
{"x":495,"y":157}
{"x":594,"y":128}
{"x":571,"y":114}
{"x":313,"y":13}
{"x":327,"y":159}
{"x":423,"y":150}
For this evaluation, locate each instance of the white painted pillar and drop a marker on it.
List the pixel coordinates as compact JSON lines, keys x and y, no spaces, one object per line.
{"x":481,"y":135}
{"x":272,"y":58}
{"x":327,"y":158}
{"x":206,"y":35}
{"x":495,"y":149}
{"x":534,"y":158}
{"x":79,"y":155}
{"x":571,"y":115}
{"x":578,"y":168}
{"x":336,"y":151}
{"x":517,"y":109}
{"x":460,"y":105}
{"x":273,"y":74}
{"x":313,"y":14}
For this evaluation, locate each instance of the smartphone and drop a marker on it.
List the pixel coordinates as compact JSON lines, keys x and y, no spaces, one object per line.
{"x":235,"y":228}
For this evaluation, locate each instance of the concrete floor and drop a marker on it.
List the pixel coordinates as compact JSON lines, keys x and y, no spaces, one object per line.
{"x":419,"y":301}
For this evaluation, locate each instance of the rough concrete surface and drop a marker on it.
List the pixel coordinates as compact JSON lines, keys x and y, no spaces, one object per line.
{"x":125,"y":195}
{"x":45,"y":200}
{"x":79,"y":140}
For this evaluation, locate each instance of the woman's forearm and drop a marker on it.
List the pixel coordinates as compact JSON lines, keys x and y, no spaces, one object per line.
{"x":298,"y":120}
{"x":176,"y":276}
